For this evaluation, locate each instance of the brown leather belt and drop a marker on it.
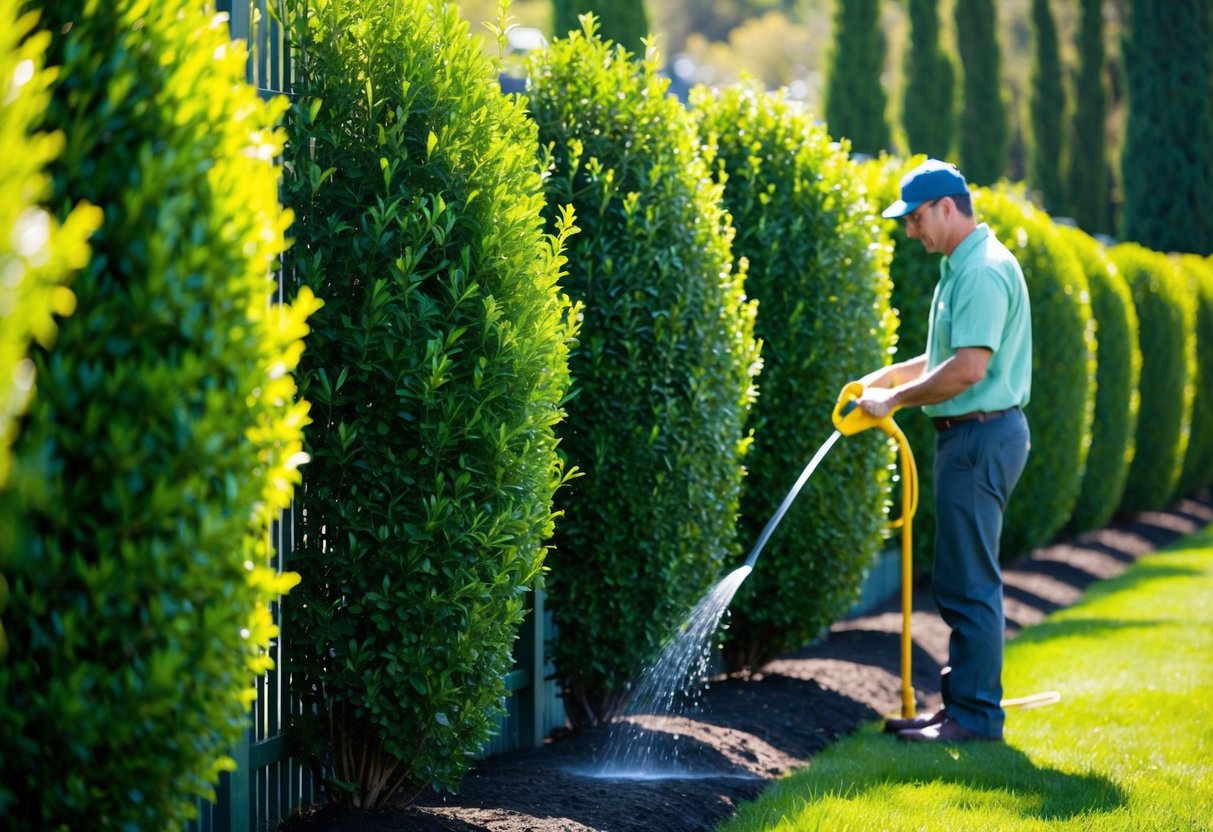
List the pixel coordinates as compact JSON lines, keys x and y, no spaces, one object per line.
{"x":948,"y":422}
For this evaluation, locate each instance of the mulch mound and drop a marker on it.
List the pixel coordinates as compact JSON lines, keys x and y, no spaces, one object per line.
{"x":756,"y":729}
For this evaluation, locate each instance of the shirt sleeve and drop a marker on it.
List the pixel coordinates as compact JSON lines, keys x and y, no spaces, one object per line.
{"x":979,"y":310}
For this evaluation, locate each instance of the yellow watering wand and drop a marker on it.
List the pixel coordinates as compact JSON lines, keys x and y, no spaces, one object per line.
{"x":850,"y":419}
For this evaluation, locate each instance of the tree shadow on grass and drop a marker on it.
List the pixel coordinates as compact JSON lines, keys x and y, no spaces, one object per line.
{"x":999,"y":774}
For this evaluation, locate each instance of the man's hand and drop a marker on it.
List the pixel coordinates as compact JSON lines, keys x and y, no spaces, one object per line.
{"x":878,"y":402}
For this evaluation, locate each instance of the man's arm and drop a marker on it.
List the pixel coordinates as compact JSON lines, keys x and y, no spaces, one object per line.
{"x":966,"y":367}
{"x":896,"y":375}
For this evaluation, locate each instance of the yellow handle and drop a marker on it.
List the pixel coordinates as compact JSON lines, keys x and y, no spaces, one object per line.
{"x":849,"y":419}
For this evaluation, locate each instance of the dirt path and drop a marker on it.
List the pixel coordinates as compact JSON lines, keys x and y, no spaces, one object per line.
{"x":754,"y":730}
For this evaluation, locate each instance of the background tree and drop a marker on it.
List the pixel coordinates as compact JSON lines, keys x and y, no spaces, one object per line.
{"x":1167,"y":163}
{"x":623,"y":21}
{"x":1047,"y":103}
{"x":855,"y":99}
{"x":1087,"y":176}
{"x":929,"y":115}
{"x":984,"y":131}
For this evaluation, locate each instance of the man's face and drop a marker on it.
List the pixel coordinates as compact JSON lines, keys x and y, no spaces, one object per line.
{"x":923,"y":223}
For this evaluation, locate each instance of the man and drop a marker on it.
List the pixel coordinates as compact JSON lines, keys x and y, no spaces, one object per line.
{"x":973,"y":381}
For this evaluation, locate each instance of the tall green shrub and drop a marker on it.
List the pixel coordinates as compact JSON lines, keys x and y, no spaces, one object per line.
{"x":664,"y":368}
{"x":1061,"y":410}
{"x":1198,"y":460}
{"x":984,"y":133}
{"x":437,"y":368}
{"x":1087,"y":177}
{"x":1117,"y":373}
{"x":623,"y":21}
{"x":1168,"y":353}
{"x":1047,"y":105}
{"x":929,"y":112}
{"x":1167,"y":161}
{"x":818,"y":267}
{"x":36,"y":254}
{"x":164,"y":431}
{"x":855,"y":100}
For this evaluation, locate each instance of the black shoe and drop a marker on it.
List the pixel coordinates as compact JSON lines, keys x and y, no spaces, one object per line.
{"x":947,"y":730}
{"x":892,"y":726}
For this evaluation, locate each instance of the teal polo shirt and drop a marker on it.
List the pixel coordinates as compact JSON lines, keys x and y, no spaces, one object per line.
{"x":981,"y":300}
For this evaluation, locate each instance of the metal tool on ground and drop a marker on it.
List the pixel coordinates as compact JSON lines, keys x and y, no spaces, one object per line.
{"x":1036,"y":700}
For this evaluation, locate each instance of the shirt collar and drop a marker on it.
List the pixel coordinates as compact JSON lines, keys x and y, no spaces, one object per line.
{"x":966,"y":248}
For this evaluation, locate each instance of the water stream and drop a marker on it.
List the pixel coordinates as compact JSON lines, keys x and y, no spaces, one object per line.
{"x":650,"y":741}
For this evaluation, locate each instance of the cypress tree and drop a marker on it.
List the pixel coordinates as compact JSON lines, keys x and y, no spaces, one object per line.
{"x":623,"y":21}
{"x":1047,"y":106}
{"x":930,"y":110}
{"x":984,"y":133}
{"x":855,"y":99}
{"x":1087,"y":178}
{"x":1167,"y":164}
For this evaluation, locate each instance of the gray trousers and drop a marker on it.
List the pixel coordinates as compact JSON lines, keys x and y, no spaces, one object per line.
{"x":977,"y":465}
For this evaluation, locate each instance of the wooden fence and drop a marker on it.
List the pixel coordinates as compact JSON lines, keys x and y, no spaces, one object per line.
{"x":269,"y":783}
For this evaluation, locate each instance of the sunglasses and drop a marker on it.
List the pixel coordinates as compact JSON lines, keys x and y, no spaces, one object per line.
{"x":920,"y":210}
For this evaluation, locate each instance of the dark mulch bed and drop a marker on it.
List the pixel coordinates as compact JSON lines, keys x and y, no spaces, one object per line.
{"x":758,"y":728}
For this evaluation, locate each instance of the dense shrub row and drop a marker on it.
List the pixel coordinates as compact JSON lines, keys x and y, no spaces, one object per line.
{"x":1063,"y":369}
{"x":433,"y":216}
{"x":36,"y":254}
{"x":818,"y":267}
{"x":1118,"y":369}
{"x":1166,"y":316}
{"x":1198,"y":460}
{"x":164,"y":435}
{"x":437,"y":369}
{"x":663,"y":371}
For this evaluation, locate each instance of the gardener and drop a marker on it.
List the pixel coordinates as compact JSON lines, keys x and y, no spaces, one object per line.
{"x":973,"y":381}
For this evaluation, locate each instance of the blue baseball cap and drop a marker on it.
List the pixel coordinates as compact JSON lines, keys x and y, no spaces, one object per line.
{"x":930,"y":180}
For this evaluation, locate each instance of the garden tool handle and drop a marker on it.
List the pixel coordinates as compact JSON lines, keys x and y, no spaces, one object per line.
{"x":850,"y":418}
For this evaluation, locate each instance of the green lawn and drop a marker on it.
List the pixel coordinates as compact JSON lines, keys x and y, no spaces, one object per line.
{"x":1129,"y":747}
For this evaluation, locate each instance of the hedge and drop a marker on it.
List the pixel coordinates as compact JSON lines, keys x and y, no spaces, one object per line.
{"x":1166,"y":317}
{"x":1198,"y":460}
{"x":663,"y":371}
{"x":1061,"y":409}
{"x":1117,"y":373}
{"x":164,"y":432}
{"x":37,"y":255}
{"x":818,"y":267}
{"x":437,"y":368}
